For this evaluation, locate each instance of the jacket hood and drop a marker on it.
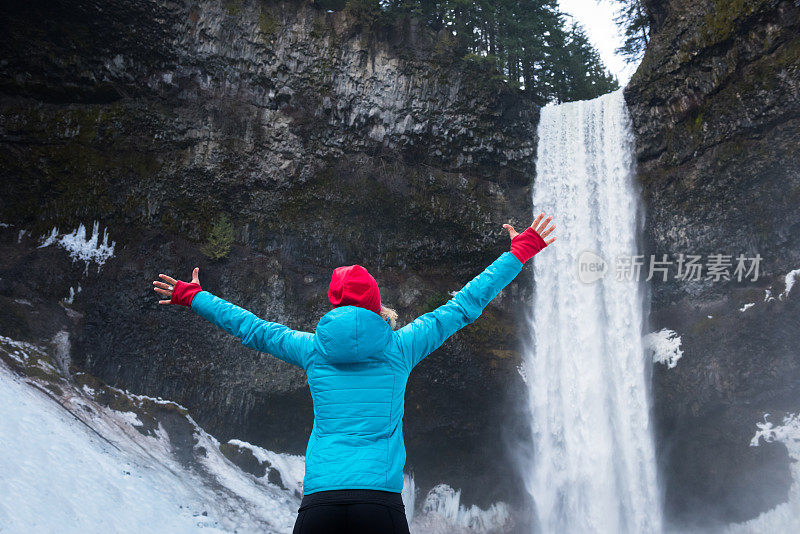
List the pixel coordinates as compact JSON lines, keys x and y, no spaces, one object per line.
{"x":350,"y":334}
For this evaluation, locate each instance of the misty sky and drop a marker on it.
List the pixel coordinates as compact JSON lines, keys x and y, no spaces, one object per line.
{"x":597,"y":18}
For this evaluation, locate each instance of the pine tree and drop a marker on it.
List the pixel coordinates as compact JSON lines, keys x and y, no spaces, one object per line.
{"x":220,"y":239}
{"x":528,"y":42}
{"x":585,"y":76}
{"x":632,"y":17}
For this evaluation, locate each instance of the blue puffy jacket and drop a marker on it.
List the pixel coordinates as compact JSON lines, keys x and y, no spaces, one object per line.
{"x":357,"y":369}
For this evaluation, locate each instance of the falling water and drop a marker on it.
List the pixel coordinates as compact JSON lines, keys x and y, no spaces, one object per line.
{"x":593,"y":465}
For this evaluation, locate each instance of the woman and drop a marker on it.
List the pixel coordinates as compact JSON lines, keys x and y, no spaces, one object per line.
{"x":357,"y":368}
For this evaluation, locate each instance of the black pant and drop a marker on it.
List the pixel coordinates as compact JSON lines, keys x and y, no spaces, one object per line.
{"x":351,"y":511}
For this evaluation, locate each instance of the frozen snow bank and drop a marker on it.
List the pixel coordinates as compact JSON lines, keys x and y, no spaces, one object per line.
{"x":80,"y":247}
{"x":784,"y":517}
{"x":747,"y":307}
{"x":71,"y":464}
{"x":664,"y":346}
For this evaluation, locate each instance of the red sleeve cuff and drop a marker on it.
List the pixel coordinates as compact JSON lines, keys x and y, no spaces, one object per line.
{"x":525,"y":245}
{"x":183,"y":293}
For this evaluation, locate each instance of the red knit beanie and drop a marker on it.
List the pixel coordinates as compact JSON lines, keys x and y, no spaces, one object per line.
{"x":352,"y":285}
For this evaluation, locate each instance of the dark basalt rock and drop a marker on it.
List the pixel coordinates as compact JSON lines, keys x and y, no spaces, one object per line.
{"x":716,"y":110}
{"x":323,"y":146}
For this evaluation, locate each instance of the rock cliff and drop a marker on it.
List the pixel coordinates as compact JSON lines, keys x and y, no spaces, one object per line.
{"x":716,"y":109}
{"x":320,"y":144}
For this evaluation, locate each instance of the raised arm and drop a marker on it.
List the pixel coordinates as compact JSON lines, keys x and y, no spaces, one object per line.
{"x":429,"y":331}
{"x":281,"y":341}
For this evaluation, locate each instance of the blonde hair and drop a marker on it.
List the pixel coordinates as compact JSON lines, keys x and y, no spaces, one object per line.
{"x":389,"y":315}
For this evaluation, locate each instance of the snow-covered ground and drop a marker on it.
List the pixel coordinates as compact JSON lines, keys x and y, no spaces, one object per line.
{"x":69,"y":462}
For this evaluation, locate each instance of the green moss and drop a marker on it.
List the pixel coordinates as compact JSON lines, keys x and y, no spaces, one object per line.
{"x":490,"y":329}
{"x":697,"y":123}
{"x":765,"y":73}
{"x":432,"y":302}
{"x":267,"y":23}
{"x":721,"y":22}
{"x":702,"y":326}
{"x":318,"y":28}
{"x":233,"y":7}
{"x":54,"y":389}
{"x":444,"y":46}
{"x":76,"y":159}
{"x":36,"y":363}
{"x":789,"y":54}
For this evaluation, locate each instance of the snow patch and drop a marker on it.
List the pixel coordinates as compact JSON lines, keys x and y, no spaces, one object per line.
{"x":747,"y":306}
{"x":72,"y":292}
{"x":784,"y":517}
{"x":768,"y":295}
{"x":664,"y":346}
{"x":154,"y":400}
{"x":82,"y":247}
{"x":523,"y":373}
{"x":789,"y":281}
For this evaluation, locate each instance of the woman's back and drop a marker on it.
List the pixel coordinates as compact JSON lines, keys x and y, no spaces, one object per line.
{"x":357,"y":380}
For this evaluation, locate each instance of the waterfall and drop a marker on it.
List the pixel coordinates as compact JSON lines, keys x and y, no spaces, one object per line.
{"x":593,"y":465}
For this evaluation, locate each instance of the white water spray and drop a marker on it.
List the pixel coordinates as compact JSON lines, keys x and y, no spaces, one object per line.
{"x":593,"y":466}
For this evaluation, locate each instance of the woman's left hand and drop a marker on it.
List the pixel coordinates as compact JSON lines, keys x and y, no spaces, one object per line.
{"x":165,"y":288}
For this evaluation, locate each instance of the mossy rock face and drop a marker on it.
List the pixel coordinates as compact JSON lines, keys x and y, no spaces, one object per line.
{"x":30,"y":361}
{"x":722,"y":21}
{"x":150,"y":412}
{"x":268,"y":22}
{"x":716,"y":116}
